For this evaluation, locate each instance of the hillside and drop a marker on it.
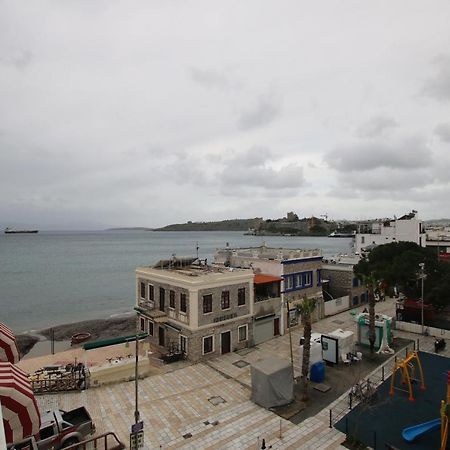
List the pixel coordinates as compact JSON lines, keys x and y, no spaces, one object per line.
{"x":223,"y":225}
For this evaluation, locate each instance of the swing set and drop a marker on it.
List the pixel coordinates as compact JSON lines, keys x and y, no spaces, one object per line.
{"x":407,"y":370}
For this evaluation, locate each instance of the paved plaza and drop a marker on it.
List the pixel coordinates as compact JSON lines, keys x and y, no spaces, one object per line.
{"x":207,"y":405}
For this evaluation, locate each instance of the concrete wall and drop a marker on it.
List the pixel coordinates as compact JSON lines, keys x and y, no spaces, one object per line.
{"x":122,"y":371}
{"x":417,"y":328}
{"x":217,"y":312}
{"x":337,"y":305}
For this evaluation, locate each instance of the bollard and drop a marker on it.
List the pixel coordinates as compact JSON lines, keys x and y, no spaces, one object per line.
{"x":281,"y":437}
{"x":331,"y":420}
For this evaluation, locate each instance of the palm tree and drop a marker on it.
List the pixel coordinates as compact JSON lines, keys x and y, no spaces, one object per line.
{"x":305,"y":310}
{"x":372,"y":285}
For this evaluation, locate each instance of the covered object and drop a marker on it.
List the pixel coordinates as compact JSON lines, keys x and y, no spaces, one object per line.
{"x":272,"y":382}
{"x":21,"y":417}
{"x":8,"y":346}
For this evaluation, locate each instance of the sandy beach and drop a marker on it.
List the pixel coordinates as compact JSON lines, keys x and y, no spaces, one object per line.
{"x":39,"y":344}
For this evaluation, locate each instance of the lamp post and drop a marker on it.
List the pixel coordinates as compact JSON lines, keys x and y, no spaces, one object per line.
{"x":136,"y":373}
{"x":422,"y":276}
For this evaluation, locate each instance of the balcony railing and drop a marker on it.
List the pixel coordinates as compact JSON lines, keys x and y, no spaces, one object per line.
{"x":263,"y":298}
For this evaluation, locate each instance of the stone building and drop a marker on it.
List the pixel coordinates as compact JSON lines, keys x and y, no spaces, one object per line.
{"x":201,"y":310}
{"x":341,"y":285}
{"x":299,"y":271}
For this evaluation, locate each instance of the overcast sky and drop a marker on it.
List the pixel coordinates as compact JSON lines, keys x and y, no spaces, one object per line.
{"x":144,"y":113}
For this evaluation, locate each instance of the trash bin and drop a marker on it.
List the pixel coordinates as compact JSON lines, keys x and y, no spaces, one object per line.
{"x":317,"y":374}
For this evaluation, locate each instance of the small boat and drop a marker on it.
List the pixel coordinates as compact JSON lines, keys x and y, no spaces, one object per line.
{"x":78,"y":338}
{"x":339,"y":234}
{"x":11,"y":231}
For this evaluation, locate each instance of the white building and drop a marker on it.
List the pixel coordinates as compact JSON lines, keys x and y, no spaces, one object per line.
{"x":378,"y":232}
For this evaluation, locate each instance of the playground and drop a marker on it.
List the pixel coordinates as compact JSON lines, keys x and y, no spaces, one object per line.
{"x":403,"y":407}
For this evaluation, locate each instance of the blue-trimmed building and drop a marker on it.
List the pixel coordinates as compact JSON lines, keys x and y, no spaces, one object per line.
{"x":300,"y":272}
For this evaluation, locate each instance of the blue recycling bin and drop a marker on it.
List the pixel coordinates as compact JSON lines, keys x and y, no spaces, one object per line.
{"x":317,"y":373}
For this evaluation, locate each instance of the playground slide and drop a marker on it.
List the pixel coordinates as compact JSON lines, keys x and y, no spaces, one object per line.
{"x":410,"y":433}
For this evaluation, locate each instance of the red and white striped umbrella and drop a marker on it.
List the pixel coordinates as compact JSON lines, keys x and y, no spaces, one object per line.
{"x":21,"y":417}
{"x":8,"y":345}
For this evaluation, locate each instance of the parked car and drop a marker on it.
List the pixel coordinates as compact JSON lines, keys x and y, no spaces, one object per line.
{"x":59,"y":429}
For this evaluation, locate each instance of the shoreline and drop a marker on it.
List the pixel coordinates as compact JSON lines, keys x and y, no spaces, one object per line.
{"x":98,"y":328}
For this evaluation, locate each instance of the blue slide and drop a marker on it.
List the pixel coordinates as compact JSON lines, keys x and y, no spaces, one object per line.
{"x":410,"y":433}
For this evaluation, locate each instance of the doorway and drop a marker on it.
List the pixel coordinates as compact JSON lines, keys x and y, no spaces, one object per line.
{"x":226,"y":342}
{"x":162,"y":298}
{"x":161,"y":336}
{"x":276,"y":326}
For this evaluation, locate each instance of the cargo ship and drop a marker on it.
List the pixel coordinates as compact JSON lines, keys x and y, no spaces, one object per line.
{"x":11,"y":231}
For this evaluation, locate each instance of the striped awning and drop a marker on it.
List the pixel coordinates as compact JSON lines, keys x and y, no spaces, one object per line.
{"x":21,"y":417}
{"x":8,"y":345}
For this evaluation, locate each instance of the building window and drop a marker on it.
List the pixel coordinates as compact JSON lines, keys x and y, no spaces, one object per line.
{"x":225,"y":302}
{"x":183,"y":343}
{"x":142,"y":324}
{"x":355,"y":282}
{"x":242,"y":331}
{"x":172,"y":299}
{"x":288,"y":282}
{"x":298,"y":280}
{"x":208,"y":344}
{"x":308,"y":279}
{"x":241,"y":296}
{"x":150,"y":328}
{"x":319,"y":277}
{"x":142,"y":290}
{"x":362,"y":240}
{"x":162,"y":299}
{"x":151,"y":292}
{"x":207,"y":304}
{"x":183,"y":305}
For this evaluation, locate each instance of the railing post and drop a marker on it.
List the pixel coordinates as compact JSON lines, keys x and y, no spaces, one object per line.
{"x":331,"y":420}
{"x":382,"y":373}
{"x":350,"y":400}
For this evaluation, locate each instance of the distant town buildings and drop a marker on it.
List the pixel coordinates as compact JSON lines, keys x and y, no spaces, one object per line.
{"x":384,"y":231}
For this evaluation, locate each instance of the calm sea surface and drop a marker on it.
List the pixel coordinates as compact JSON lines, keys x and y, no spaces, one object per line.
{"x":58,"y":277}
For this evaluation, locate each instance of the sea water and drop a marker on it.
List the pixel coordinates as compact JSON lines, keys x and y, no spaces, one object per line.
{"x":51,"y":278}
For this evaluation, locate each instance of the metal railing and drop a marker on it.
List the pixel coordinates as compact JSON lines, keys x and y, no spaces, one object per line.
{"x":105,"y":441}
{"x":373,"y":380}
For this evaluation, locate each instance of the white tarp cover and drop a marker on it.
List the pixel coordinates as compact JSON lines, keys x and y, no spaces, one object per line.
{"x":272,"y":382}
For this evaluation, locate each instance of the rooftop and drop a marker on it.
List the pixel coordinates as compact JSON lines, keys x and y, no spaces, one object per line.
{"x":270,"y":253}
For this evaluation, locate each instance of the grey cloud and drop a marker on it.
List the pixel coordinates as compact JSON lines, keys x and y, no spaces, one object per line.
{"x":387,"y":180}
{"x":376,"y":126}
{"x":20,"y":60}
{"x":252,"y":169}
{"x":254,"y":156}
{"x":407,"y":154}
{"x":265,"y":111}
{"x":210,"y":78}
{"x":443,"y":131}
{"x":438,"y":87}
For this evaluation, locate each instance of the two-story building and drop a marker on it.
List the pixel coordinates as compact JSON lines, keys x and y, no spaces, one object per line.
{"x":204,"y":311}
{"x":300,"y":274}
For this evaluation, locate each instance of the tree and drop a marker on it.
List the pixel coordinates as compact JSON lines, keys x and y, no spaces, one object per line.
{"x":372,"y":285}
{"x":397,"y":264}
{"x":305,"y":310}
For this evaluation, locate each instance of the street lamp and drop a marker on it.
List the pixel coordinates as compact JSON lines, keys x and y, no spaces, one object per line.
{"x":422,"y":276}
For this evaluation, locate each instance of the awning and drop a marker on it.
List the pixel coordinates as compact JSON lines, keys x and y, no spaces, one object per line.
{"x":266,"y":279}
{"x":8,"y":345}
{"x":20,"y":411}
